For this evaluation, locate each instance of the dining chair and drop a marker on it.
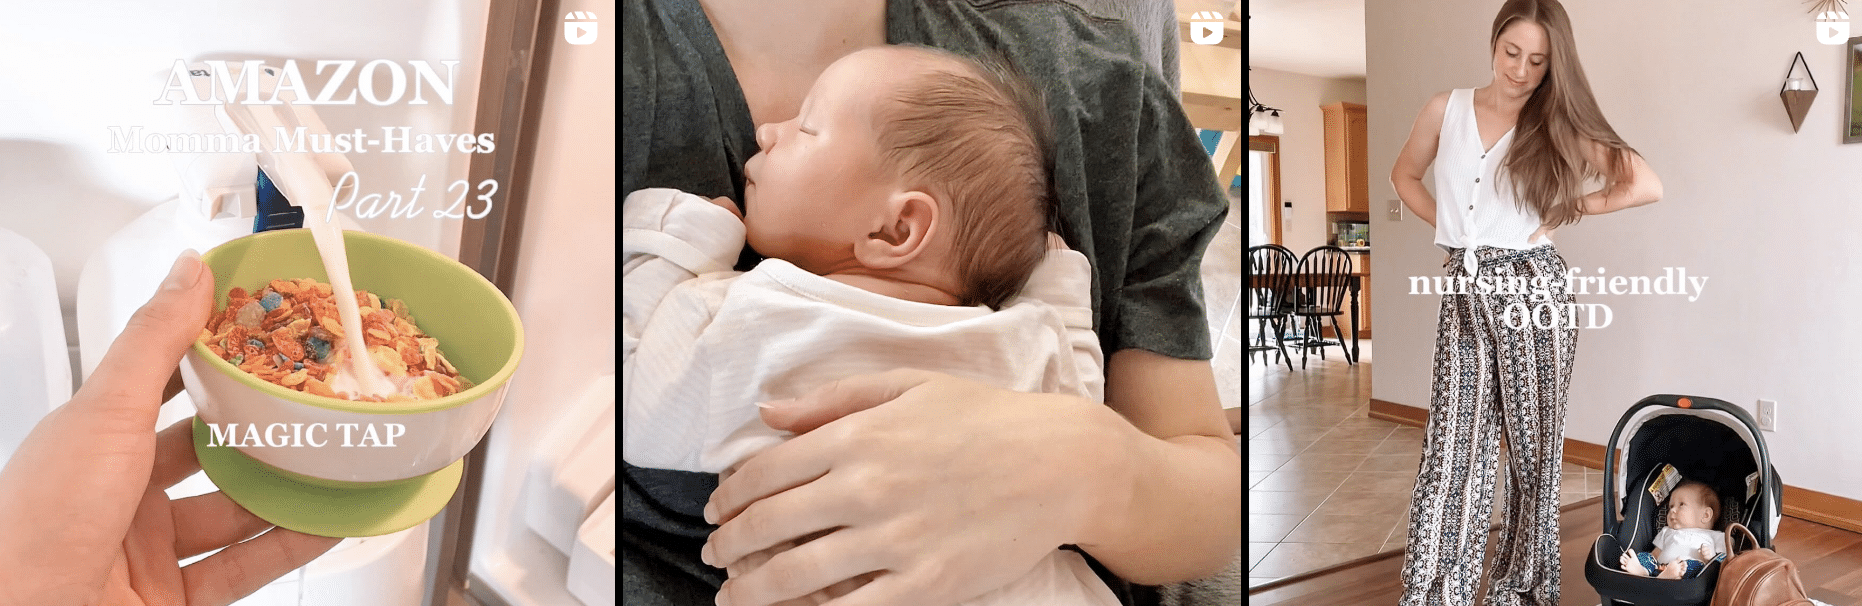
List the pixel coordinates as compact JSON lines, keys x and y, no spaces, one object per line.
{"x":1270,"y":304}
{"x":1324,"y":275}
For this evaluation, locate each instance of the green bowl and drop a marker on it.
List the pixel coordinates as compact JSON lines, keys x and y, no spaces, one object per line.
{"x":415,"y":442}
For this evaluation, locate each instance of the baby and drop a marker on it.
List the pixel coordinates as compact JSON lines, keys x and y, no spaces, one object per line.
{"x":1688,"y":543}
{"x":905,"y":215}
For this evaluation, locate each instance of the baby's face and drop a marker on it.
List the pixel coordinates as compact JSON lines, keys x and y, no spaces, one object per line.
{"x":818,"y":180}
{"x":1688,"y":508}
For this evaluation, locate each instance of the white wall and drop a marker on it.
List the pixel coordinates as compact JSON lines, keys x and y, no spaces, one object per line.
{"x":1760,"y":211}
{"x":1302,"y":146}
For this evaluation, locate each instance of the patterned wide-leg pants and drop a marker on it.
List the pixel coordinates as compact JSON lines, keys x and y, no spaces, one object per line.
{"x":1494,"y":374}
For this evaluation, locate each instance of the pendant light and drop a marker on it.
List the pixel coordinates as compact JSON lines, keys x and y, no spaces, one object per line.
{"x":1263,"y":120}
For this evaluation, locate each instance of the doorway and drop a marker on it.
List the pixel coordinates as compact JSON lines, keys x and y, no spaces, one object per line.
{"x":1263,"y":190}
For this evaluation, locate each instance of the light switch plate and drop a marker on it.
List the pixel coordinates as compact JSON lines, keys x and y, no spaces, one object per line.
{"x":1396,"y":210}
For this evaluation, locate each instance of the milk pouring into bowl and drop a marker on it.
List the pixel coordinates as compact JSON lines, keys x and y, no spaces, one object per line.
{"x":303,"y":181}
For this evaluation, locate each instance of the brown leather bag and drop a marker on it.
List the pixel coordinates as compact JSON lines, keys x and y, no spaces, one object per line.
{"x":1757,"y":576}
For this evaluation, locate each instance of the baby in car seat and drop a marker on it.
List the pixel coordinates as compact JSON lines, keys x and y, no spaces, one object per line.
{"x":1688,"y":543}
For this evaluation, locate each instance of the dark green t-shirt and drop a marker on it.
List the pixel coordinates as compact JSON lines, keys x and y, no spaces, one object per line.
{"x":1136,"y":191}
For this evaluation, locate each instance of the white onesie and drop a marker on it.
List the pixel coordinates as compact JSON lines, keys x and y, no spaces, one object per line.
{"x":1684,"y":543}
{"x":702,"y":344}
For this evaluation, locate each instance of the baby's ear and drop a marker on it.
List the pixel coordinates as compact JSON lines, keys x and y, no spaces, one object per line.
{"x":905,"y":226}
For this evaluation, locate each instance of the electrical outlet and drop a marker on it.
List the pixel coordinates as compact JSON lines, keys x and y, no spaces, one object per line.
{"x":1768,"y":415}
{"x":1396,"y":210}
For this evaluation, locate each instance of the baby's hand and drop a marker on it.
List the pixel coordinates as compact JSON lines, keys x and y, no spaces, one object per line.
{"x":1706,"y":552}
{"x":726,"y":202}
{"x":1673,"y":570}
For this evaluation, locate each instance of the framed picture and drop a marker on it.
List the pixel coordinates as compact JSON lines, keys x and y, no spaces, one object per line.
{"x":1852,"y":107}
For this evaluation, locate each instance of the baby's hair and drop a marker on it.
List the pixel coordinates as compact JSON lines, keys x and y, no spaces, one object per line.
{"x":977,"y":137}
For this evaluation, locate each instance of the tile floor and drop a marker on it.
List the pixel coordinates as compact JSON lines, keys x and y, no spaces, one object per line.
{"x":1327,"y":483}
{"x":1221,"y":273}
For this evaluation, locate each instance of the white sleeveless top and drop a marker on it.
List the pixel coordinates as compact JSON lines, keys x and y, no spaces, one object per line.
{"x":1472,"y":209}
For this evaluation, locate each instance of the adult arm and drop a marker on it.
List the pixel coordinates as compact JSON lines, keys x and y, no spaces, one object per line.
{"x":1639,"y":185}
{"x":1175,"y":485}
{"x":1180,"y":476}
{"x":1416,"y":156}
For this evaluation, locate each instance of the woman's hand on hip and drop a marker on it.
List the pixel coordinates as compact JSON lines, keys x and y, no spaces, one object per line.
{"x":1545,"y":231}
{"x":934,"y":488}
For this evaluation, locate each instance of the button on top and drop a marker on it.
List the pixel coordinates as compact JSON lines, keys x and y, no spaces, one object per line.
{"x":1477,"y":179}
{"x":1470,"y":207}
{"x":1483,"y":156}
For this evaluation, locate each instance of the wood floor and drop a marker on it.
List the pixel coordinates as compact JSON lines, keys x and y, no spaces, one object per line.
{"x":1829,"y":562}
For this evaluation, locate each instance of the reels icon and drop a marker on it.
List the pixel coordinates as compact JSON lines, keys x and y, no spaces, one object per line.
{"x":1833,"y":27}
{"x":579,"y":27}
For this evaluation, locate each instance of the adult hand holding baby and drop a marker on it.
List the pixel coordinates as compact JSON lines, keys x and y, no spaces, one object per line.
{"x":946,"y":487}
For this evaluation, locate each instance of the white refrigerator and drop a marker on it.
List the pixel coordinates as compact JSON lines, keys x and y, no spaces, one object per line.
{"x":102,"y":184}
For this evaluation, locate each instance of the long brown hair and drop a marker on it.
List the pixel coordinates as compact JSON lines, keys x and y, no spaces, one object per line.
{"x":1547,"y":159}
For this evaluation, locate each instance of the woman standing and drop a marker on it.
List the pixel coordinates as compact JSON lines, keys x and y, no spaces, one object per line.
{"x":1511,"y":161}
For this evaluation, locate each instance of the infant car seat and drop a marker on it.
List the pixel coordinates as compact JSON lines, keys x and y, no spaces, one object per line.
{"x":1705,"y":439}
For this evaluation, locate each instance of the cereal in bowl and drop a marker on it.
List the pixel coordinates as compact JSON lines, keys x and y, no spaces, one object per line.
{"x":287,"y":333}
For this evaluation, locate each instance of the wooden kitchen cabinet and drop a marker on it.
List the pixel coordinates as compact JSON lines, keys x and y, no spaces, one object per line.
{"x":1347,"y":165}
